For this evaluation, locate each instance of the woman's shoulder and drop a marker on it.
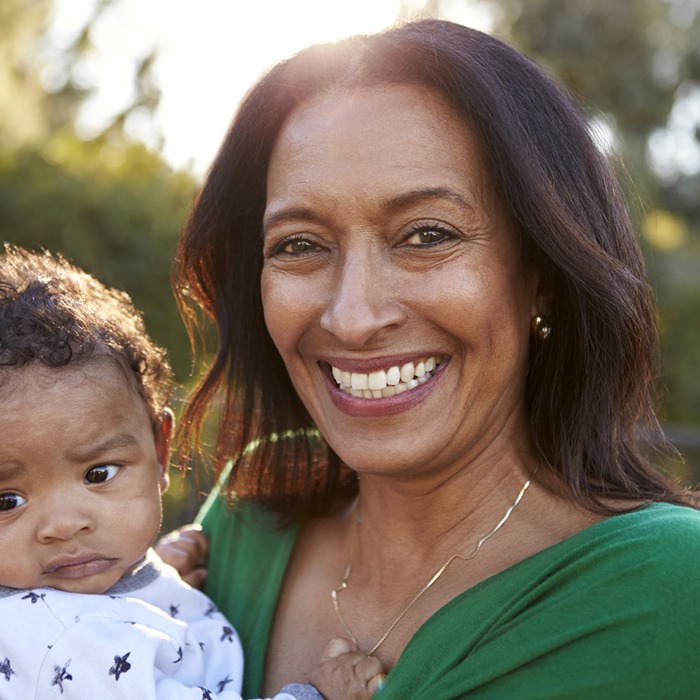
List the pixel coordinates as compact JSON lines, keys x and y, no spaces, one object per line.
{"x":660,"y":541}
{"x":619,"y":597}
{"x":249,"y":549}
{"x":662,"y":528}
{"x":640,"y":565}
{"x":666,"y":515}
{"x":248,"y":557}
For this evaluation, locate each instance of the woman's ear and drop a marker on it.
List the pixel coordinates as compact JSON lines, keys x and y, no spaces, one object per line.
{"x":162,"y":434}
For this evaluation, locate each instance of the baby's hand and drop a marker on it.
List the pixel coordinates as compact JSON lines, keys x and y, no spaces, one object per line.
{"x":186,"y":549}
{"x":347,"y":674}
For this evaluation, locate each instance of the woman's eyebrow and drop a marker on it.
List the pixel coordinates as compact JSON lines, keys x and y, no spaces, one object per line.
{"x":86,"y":454}
{"x":398,"y":201}
{"x":288,"y":214}
{"x":417,"y":196}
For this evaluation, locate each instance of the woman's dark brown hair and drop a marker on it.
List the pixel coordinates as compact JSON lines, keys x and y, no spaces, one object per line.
{"x":589,"y":387}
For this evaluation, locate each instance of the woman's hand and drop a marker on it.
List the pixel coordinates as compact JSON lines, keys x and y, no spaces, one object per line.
{"x":344,"y":673}
{"x":186,"y":550}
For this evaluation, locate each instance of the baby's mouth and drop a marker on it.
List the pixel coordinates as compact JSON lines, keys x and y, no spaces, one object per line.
{"x":387,"y":382}
{"x":79,"y":567}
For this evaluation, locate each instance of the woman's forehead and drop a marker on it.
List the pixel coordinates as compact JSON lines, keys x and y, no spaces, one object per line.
{"x":398,"y":137}
{"x":368,"y":112}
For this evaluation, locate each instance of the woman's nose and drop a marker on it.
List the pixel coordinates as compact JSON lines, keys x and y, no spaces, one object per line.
{"x":362,"y":301}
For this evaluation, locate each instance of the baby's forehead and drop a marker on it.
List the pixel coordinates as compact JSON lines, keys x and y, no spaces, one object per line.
{"x":16,"y":379}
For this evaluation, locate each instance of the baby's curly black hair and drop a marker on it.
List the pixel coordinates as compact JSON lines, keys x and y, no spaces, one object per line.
{"x":54,"y":313}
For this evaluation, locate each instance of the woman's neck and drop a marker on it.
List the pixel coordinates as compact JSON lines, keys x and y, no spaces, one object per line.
{"x":432,"y":518}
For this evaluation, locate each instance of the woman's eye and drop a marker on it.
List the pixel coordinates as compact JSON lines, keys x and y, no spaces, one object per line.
{"x":293,"y":247}
{"x":298,"y":246}
{"x":10,"y":501}
{"x":98,"y":475}
{"x":428,"y":235}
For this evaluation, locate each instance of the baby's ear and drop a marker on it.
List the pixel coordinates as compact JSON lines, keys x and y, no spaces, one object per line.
{"x":162,"y":435}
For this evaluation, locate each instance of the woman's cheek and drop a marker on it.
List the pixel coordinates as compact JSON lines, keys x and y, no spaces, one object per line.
{"x":284,"y":309}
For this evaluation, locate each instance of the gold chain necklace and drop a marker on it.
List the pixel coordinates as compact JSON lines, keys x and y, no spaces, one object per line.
{"x":344,"y":582}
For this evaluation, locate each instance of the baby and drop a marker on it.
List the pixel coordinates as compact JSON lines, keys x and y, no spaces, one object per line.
{"x":88,"y":608}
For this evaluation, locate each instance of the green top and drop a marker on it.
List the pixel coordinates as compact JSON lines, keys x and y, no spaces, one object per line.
{"x":612,"y":612}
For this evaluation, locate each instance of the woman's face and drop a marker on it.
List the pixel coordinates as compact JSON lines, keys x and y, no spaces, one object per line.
{"x":392,"y":283}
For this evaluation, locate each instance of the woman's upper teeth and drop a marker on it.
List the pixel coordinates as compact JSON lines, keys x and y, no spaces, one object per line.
{"x":403,"y":377}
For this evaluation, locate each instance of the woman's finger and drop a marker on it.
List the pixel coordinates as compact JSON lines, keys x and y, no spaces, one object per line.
{"x":196,"y":578}
{"x":368,"y":668}
{"x":185,"y":549}
{"x":376,"y":683}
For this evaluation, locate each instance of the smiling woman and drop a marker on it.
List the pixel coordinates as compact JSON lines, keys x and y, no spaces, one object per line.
{"x":436,"y":347}
{"x":427,"y":250}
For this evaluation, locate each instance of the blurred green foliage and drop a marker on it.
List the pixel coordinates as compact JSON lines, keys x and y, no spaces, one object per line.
{"x":110,"y":205}
{"x":116,"y":211}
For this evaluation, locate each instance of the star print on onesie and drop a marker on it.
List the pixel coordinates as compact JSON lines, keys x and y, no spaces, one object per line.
{"x":121,"y":665}
{"x":33,"y":597}
{"x":61,"y":676}
{"x":6,"y":669}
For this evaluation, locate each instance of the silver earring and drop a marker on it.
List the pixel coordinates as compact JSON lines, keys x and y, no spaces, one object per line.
{"x":541,"y":329}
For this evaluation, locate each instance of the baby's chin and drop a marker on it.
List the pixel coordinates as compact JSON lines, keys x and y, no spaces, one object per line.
{"x":97,"y":587}
{"x":88,"y":587}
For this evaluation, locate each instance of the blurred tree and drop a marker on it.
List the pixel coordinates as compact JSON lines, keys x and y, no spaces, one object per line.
{"x":22,"y":99}
{"x":114,"y":210}
{"x":109,"y":204}
{"x":636,"y":62}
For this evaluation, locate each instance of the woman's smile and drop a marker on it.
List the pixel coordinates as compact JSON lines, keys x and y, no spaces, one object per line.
{"x":385,"y":383}
{"x":383,"y":392}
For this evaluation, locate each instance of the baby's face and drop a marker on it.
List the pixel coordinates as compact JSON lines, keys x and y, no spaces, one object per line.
{"x":81,"y":477}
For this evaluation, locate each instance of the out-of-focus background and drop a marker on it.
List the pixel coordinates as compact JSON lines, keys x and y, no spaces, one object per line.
{"x":111,"y":111}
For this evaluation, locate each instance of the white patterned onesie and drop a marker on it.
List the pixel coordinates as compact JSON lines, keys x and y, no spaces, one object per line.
{"x":150,"y":637}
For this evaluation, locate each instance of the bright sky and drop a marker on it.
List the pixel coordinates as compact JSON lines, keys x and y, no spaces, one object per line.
{"x":210,"y":52}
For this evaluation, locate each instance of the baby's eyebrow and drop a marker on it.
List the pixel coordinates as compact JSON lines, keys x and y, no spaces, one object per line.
{"x":92,"y":452}
{"x":11,"y":470}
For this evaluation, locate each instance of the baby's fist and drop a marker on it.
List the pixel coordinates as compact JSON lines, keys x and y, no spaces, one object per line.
{"x":346,"y":673}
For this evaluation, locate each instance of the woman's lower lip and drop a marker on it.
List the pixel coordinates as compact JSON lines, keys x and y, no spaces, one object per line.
{"x":82,"y":569}
{"x":387,"y":406}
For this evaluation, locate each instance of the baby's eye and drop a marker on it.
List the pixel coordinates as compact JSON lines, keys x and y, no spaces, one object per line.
{"x":10,"y":501}
{"x":98,"y":475}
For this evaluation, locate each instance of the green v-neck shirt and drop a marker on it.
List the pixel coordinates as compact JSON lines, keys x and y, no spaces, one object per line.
{"x":612,"y":612}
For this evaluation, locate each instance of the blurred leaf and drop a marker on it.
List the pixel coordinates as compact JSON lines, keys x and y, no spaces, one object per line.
{"x":114,"y":210}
